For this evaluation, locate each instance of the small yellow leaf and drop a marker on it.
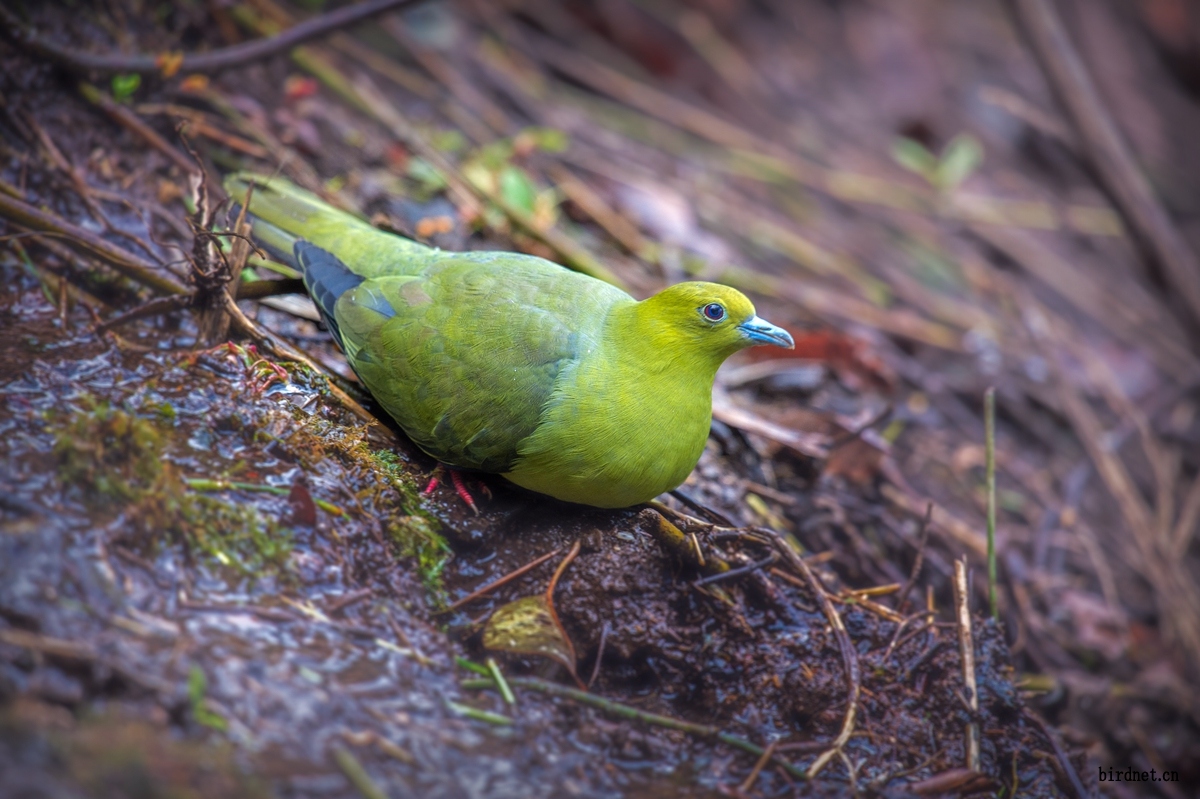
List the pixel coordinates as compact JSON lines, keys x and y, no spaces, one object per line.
{"x":528,"y":627}
{"x":168,"y":63}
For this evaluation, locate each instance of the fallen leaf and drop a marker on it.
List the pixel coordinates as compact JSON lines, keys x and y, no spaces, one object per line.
{"x":528,"y":627}
{"x":304,"y":510}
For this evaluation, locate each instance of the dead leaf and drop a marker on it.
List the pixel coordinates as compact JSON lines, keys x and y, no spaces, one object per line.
{"x":304,"y":510}
{"x":528,"y":627}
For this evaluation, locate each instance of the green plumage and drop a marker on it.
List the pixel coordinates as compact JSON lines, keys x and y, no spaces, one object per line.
{"x":509,"y":363}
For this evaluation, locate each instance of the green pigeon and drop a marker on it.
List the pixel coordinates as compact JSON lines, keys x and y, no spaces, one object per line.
{"x":508,"y":363}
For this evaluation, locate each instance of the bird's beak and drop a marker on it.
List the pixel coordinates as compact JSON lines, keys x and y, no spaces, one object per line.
{"x":760,"y":331}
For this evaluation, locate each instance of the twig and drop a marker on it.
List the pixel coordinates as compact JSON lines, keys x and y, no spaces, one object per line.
{"x":763,"y":760}
{"x":262,"y":289}
{"x":131,"y":266}
{"x":1104,"y":147}
{"x":1063,"y":760}
{"x":169,"y":63}
{"x":962,"y":603}
{"x":501,"y":683}
{"x":739,"y":571}
{"x":355,"y":772}
{"x":714,"y":516}
{"x":346,"y":600}
{"x":898,"y":642}
{"x":599,"y":655}
{"x":810,"y":445}
{"x":849,"y":656}
{"x":923,"y":540}
{"x":127,"y":119}
{"x":494,"y":584}
{"x":558,"y":573}
{"x":156,"y":307}
{"x":989,"y":442}
{"x":625,"y":711}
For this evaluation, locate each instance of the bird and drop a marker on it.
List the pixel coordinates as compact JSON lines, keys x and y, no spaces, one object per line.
{"x":508,"y":363}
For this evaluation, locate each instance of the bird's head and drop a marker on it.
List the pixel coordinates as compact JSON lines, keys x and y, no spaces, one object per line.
{"x":707,"y":319}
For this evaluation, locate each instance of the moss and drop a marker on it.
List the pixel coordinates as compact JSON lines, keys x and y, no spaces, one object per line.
{"x":235,"y":536}
{"x":416,"y":538}
{"x":108,"y":453}
{"x":113,"y":456}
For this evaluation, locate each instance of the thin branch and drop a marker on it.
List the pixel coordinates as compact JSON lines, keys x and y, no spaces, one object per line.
{"x":168,"y":63}
{"x":989,"y":440}
{"x":1063,"y":760}
{"x":131,"y":266}
{"x":127,"y":119}
{"x":625,"y":711}
{"x":769,"y":560}
{"x":923,"y":541}
{"x":494,"y":584}
{"x":962,"y":603}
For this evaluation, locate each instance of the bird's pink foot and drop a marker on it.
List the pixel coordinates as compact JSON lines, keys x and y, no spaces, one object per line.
{"x":434,"y":480}
{"x":460,"y":486}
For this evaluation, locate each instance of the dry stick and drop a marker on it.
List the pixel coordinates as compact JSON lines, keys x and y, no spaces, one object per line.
{"x":494,"y":584}
{"x":962,"y":603}
{"x":599,"y":655}
{"x":766,"y":562}
{"x":622,"y":230}
{"x":849,"y":656}
{"x":59,"y":161}
{"x":131,"y":266}
{"x":354,"y":771}
{"x":1107,"y":151}
{"x":127,"y":119}
{"x":58,"y":284}
{"x":989,"y":441}
{"x":558,"y":573}
{"x":156,"y":307}
{"x":923,"y":540}
{"x":1063,"y":760}
{"x":170,"y":63}
{"x":763,"y":760}
{"x":1189,"y":520}
{"x":625,"y":711}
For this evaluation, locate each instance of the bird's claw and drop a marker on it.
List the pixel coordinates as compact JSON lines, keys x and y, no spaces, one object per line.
{"x":460,"y":486}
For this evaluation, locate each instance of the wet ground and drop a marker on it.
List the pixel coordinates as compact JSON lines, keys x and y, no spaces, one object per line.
{"x":137,"y":604}
{"x":216,"y":579}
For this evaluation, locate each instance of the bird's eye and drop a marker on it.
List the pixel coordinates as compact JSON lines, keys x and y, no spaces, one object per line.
{"x":713,"y":312}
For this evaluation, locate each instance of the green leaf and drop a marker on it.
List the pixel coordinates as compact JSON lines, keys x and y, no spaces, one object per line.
{"x":197,"y":685}
{"x":123,"y":86}
{"x":913,"y":156}
{"x":449,"y":141}
{"x":517,"y":189}
{"x":552,"y":140}
{"x":962,"y":156}
{"x":429,"y":178}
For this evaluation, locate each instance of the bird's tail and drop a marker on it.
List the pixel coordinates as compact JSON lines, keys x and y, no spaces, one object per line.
{"x":282,"y":213}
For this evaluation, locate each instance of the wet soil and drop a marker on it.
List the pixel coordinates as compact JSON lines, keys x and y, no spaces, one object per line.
{"x":216,"y":579}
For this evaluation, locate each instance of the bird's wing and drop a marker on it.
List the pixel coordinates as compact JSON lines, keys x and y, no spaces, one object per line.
{"x":465,"y":355}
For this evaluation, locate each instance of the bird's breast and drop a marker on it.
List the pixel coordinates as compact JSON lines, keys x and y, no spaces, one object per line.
{"x":615,"y":437}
